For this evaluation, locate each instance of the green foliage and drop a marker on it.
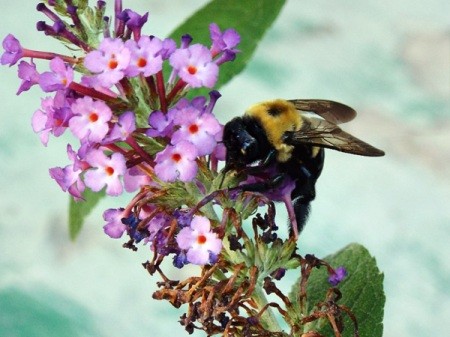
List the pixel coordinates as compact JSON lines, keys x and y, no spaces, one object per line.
{"x":362,"y":291}
{"x":78,"y":211}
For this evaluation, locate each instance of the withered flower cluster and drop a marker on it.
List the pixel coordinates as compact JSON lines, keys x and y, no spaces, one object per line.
{"x":229,"y":297}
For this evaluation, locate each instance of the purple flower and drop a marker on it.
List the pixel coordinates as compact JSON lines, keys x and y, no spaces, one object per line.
{"x":28,"y":74}
{"x":161,"y":123}
{"x":133,"y":20}
{"x":123,"y":128}
{"x":225,"y":41}
{"x":202,"y":244}
{"x":200,"y":129}
{"x":145,"y":58}
{"x":339,"y":274}
{"x":59,"y":78}
{"x":108,"y":62}
{"x":134,"y":179}
{"x":177,"y":162}
{"x":168,"y":47}
{"x":194,"y":66}
{"x":105,"y":171}
{"x":114,"y":226}
{"x":158,"y":222}
{"x":13,"y":50}
{"x":53,"y":117}
{"x":91,"y":119}
{"x":68,"y":178}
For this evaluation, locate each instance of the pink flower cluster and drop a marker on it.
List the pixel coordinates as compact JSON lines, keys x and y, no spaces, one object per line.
{"x":116,"y":104}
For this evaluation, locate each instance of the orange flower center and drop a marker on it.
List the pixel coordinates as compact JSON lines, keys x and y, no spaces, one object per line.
{"x":112,"y":64}
{"x":176,"y":157}
{"x":141,"y":62}
{"x":109,"y":170}
{"x":93,"y":117}
{"x":193,"y":128}
{"x":201,"y":239}
{"x":192,"y":70}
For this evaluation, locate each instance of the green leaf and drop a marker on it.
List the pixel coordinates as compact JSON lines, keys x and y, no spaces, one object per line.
{"x":251,"y":19}
{"x":78,"y":211}
{"x":362,"y":291}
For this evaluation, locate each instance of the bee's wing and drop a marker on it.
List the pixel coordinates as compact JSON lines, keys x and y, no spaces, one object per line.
{"x":331,"y":111}
{"x":317,"y":131}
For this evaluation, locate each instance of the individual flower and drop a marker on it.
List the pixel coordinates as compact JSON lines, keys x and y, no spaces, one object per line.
{"x":105,"y":171}
{"x":52,"y":118}
{"x":161,"y":123}
{"x":90,"y":121}
{"x":132,"y":222}
{"x":339,"y":274}
{"x":68,"y":178}
{"x":177,"y":162}
{"x":145,"y":56}
{"x":168,"y":47}
{"x":58,"y":78}
{"x":226,"y":41}
{"x":114,"y":227}
{"x":28,"y":74}
{"x":134,"y":179}
{"x":194,"y":66}
{"x":108,"y":62}
{"x":198,"y":128}
{"x":157,"y":223}
{"x":200,"y":243}
{"x":133,"y":21}
{"x":13,"y":50}
{"x":123,"y":128}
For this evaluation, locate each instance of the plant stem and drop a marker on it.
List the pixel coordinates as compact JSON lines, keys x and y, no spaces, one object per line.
{"x":268,"y":319}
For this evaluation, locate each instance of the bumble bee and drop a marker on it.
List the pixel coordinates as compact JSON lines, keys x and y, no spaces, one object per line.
{"x":279,"y":145}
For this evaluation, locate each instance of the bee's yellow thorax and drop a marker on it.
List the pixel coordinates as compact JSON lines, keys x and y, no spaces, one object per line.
{"x":276,"y":117}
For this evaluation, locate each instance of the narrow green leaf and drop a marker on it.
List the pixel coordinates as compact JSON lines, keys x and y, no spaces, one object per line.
{"x":78,"y":211}
{"x":251,"y":19}
{"x":362,"y":291}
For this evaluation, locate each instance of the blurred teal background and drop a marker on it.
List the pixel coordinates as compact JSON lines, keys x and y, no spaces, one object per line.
{"x":388,"y":59}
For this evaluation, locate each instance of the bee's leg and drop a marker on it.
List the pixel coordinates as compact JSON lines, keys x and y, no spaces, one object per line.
{"x":253,"y":187}
{"x":302,"y":195}
{"x":261,"y":186}
{"x":287,"y":199}
{"x":265,"y":163}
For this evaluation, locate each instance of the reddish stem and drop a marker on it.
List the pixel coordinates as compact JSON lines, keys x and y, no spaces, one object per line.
{"x":176,"y":89}
{"x":132,"y":142}
{"x":48,"y":56}
{"x":91,"y":92}
{"x":160,"y":87}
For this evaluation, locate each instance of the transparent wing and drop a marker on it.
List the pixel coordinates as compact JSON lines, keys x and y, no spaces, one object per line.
{"x":320,"y":132}
{"x":333,"y":112}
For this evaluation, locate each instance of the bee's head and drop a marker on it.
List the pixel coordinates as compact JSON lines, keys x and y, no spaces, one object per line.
{"x":242,"y":147}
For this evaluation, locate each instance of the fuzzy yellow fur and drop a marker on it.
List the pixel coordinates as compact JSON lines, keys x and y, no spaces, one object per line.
{"x":288,"y":119}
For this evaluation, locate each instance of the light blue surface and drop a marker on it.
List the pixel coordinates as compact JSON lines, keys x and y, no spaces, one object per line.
{"x":388,"y":59}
